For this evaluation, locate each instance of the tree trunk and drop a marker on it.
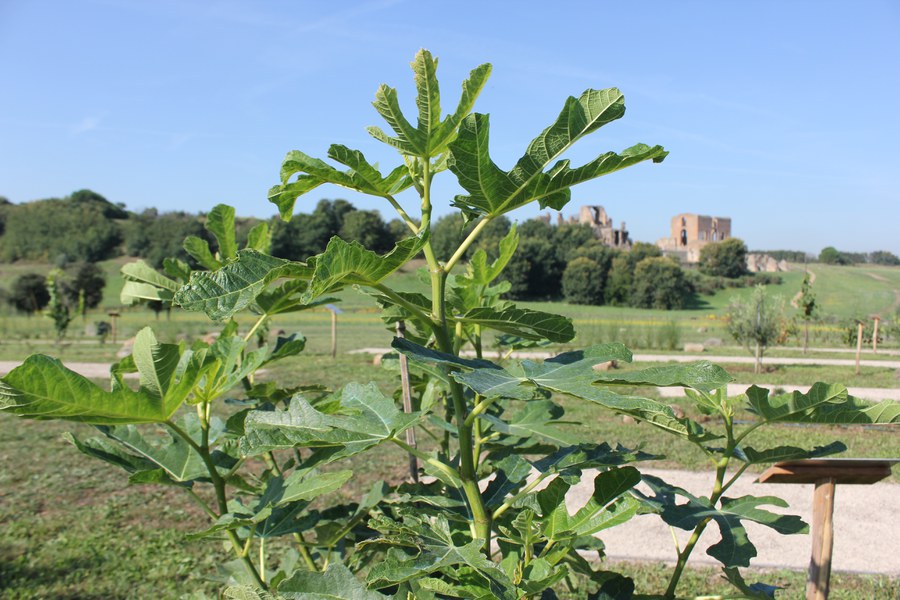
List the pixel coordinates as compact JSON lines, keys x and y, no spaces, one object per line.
{"x":758,"y":366}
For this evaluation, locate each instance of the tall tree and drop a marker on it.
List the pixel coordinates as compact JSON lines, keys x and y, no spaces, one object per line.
{"x":727,"y":258}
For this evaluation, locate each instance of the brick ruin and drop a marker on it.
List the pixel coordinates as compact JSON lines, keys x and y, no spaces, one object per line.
{"x":600,"y":223}
{"x":690,"y":232}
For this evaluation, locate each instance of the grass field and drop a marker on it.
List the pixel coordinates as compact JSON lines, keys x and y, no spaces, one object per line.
{"x":72,"y":528}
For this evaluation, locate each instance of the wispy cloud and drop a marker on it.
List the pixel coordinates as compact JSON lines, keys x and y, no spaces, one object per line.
{"x":85,"y":125}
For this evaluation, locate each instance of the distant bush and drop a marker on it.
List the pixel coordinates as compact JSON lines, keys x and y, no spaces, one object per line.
{"x":29,"y":293}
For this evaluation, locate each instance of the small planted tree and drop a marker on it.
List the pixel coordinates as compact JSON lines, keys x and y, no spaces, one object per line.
{"x":806,"y":302}
{"x":757,"y":323}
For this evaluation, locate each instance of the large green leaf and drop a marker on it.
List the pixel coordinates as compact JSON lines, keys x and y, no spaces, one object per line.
{"x":143,"y":282}
{"x":337,"y":582}
{"x":493,"y":191}
{"x":537,"y":418}
{"x":361,"y":176}
{"x":735,"y":548}
{"x":174,"y":457}
{"x":601,"y":510}
{"x":702,"y":375}
{"x":349,"y":263}
{"x":304,"y":484}
{"x":770,"y":455}
{"x":42,"y":388}
{"x":222,"y":293}
{"x":220,"y":222}
{"x":369,"y":419}
{"x":431,"y":135}
{"x":436,"y":552}
{"x":523,"y":322}
{"x":572,"y":460}
{"x":824,"y":403}
{"x":570,"y":373}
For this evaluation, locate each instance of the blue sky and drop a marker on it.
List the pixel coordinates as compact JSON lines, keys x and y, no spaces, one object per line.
{"x":780,"y":115}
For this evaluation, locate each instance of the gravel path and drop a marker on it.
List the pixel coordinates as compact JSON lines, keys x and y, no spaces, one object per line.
{"x":866,"y":528}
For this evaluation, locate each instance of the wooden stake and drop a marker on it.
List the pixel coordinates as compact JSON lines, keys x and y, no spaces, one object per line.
{"x":875,"y":336}
{"x":818,"y":579}
{"x":407,"y":405}
{"x":333,"y":334}
{"x":858,"y":344}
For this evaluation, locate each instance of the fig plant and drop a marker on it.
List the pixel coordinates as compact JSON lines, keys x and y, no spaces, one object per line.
{"x":488,"y":517}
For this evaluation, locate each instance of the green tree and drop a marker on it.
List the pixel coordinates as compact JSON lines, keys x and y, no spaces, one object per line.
{"x":832,"y":256}
{"x":535,"y":271}
{"x":659,"y":283}
{"x":85,"y":289}
{"x":757,"y":323}
{"x":368,"y":228}
{"x":155,"y":237}
{"x":29,"y":293}
{"x":620,"y":279}
{"x":583,"y":281}
{"x":58,"y":308}
{"x":727,"y":258}
{"x":883,"y":257}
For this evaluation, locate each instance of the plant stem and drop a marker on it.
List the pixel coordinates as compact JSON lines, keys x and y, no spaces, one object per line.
{"x":202,"y":450}
{"x":685,"y":553}
{"x":466,"y":243}
{"x":403,"y":215}
{"x":439,"y":465}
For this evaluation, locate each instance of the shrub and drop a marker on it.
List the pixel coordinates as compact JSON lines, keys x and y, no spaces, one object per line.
{"x":29,"y":293}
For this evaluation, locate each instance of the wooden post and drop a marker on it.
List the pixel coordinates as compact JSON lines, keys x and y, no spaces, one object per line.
{"x":875,"y":335}
{"x":407,"y":405}
{"x":858,"y":343}
{"x":819,"y":576}
{"x":334,"y":310}
{"x":333,"y":334}
{"x":112,"y":317}
{"x":826,"y":473}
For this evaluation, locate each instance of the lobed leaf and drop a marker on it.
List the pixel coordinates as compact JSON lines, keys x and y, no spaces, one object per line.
{"x":42,"y":388}
{"x":493,"y":192}
{"x":702,"y":375}
{"x":525,"y":323}
{"x":349,"y":263}
{"x":335,"y":582}
{"x":222,"y":293}
{"x":369,"y":419}
{"x":734,"y":549}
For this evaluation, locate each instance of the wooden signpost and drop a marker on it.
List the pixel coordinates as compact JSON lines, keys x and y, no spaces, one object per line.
{"x":825,"y":473}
